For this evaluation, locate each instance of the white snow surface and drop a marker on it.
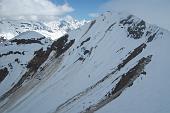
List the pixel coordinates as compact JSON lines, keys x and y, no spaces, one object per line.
{"x":16,"y":70}
{"x":99,"y":47}
{"x":53,"y":29}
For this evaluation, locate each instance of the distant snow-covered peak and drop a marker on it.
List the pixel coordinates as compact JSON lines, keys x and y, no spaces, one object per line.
{"x":10,"y":28}
{"x":66,"y":23}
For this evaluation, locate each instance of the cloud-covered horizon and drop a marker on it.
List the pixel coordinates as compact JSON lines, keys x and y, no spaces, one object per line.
{"x":32,"y":8}
{"x":152,"y":11}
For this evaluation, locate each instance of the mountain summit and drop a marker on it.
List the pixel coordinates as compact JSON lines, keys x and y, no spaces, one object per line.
{"x":115,"y":63}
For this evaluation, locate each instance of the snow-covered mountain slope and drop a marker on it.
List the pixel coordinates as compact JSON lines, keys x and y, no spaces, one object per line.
{"x":16,"y":57}
{"x":11,"y":28}
{"x":53,"y":29}
{"x":66,"y":23}
{"x":116,"y":63}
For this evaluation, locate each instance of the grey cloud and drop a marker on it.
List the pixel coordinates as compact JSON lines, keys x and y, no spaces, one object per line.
{"x":153,"y":11}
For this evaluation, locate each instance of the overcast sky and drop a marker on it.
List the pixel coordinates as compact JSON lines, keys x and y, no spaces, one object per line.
{"x":153,"y":11}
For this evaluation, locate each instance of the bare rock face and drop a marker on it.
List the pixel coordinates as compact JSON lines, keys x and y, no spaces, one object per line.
{"x":3,"y":72}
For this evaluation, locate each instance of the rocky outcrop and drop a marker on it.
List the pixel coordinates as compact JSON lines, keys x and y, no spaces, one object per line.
{"x":40,"y":56}
{"x":3,"y":73}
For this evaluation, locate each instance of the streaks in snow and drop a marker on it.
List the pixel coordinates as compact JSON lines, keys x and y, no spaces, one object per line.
{"x":126,"y":81}
{"x":132,"y":55}
{"x":91,"y":24}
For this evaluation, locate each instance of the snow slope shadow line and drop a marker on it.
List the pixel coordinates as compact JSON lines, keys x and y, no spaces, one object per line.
{"x":126,"y":81}
{"x":107,"y":30}
{"x":131,"y":55}
{"x":91,"y":24}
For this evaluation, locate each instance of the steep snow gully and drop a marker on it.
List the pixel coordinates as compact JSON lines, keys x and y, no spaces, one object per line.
{"x":116,"y":63}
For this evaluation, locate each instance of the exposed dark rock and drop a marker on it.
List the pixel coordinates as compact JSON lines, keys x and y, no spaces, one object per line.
{"x":151,"y":37}
{"x":27,"y":41}
{"x":80,"y":59}
{"x":10,"y":66}
{"x":135,"y":29}
{"x":11,"y":52}
{"x":132,"y":55}
{"x":39,"y":58}
{"x":110,"y":27}
{"x":127,"y":20}
{"x":132,"y":74}
{"x":62,"y":44}
{"x":3,"y":73}
{"x":86,"y":52}
{"x":148,"y":33}
{"x":17,"y":60}
{"x":88,"y":39}
{"x":144,"y":73}
{"x":120,"y":49}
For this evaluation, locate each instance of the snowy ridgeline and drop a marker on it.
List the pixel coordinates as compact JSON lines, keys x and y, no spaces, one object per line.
{"x":113,"y":64}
